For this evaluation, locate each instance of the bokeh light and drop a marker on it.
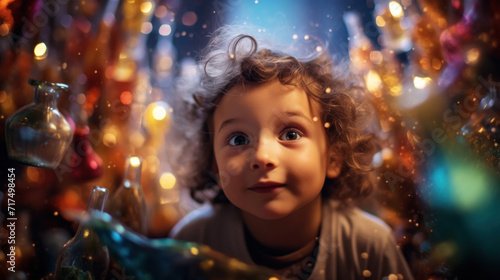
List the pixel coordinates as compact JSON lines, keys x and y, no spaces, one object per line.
{"x":421,"y":82}
{"x":165,"y":30}
{"x":167,"y":180}
{"x":126,"y":97}
{"x":189,"y":18}
{"x":135,"y":161}
{"x":396,"y":9}
{"x":40,"y":51}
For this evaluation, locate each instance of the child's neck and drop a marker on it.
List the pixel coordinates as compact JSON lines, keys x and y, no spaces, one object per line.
{"x":289,"y":233}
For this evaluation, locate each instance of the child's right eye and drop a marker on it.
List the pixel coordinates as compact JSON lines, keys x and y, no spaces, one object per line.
{"x":238,"y":140}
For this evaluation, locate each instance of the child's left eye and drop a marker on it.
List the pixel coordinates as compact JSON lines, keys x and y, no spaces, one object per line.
{"x":290,"y":135}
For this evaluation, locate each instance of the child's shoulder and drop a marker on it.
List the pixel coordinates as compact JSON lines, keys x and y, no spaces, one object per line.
{"x":358,"y":224}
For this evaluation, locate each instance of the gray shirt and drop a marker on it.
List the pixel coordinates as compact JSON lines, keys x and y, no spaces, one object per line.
{"x":353,"y":244}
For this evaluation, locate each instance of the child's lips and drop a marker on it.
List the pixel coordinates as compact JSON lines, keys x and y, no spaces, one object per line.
{"x":266,"y":187}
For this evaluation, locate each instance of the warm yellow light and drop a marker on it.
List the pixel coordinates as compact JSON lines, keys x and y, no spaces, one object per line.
{"x":146,"y":7}
{"x":395,"y":90}
{"x":167,"y":180}
{"x":134,"y":161}
{"x":156,"y":117}
{"x":387,"y":154}
{"x":396,"y":9}
{"x":125,"y":71}
{"x":380,"y":21}
{"x":472,"y":55}
{"x":159,"y":113}
{"x":421,"y":82}
{"x":373,"y":81}
{"x":109,"y":140}
{"x":194,"y":251}
{"x":40,"y":51}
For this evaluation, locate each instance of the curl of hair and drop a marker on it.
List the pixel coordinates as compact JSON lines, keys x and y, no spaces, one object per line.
{"x":238,"y":60}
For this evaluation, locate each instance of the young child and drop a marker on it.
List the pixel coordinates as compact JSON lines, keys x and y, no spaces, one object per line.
{"x":282,"y":152}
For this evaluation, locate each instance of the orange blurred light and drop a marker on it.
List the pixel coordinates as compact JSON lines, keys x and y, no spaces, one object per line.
{"x":126,"y":97}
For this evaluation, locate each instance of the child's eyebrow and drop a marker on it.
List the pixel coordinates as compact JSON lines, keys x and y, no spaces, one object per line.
{"x":289,"y":114}
{"x":227,"y":122}
{"x":282,"y":116}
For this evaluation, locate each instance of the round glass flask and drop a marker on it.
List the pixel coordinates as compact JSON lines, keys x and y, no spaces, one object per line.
{"x":38,"y":134}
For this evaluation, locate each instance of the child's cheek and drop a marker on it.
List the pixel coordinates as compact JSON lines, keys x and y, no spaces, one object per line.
{"x":224,"y":179}
{"x":233,"y":167}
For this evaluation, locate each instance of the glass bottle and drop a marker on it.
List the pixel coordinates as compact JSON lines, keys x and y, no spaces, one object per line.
{"x":360,"y":46}
{"x":38,"y":134}
{"x":84,"y":256}
{"x":128,"y":204}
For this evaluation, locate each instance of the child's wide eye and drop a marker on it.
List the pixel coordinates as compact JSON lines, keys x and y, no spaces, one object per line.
{"x":238,"y":140}
{"x":290,"y":135}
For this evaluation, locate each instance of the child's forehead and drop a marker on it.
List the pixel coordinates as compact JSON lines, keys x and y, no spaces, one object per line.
{"x":277,"y":87}
{"x":270,"y":91}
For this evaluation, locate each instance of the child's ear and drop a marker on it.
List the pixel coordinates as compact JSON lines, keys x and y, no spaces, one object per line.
{"x":334,"y":164}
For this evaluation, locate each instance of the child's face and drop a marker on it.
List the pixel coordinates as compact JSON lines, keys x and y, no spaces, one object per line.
{"x":270,"y":149}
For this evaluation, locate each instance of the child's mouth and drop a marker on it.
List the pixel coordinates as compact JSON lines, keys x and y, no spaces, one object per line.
{"x":266,"y":187}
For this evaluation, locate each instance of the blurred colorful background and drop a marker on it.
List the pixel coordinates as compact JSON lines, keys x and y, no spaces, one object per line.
{"x":432,"y":68}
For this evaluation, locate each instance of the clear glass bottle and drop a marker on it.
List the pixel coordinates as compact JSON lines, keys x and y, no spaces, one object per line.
{"x":84,"y":256}
{"x":38,"y":134}
{"x":128,"y":204}
{"x":360,"y":46}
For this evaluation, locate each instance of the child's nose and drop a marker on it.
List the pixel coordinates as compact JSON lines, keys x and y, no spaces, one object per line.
{"x":265,"y":156}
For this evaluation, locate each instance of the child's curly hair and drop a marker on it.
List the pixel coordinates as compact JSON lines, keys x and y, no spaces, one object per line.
{"x":240,"y":60}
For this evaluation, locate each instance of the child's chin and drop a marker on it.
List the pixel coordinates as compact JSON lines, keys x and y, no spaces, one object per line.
{"x":270,"y":214}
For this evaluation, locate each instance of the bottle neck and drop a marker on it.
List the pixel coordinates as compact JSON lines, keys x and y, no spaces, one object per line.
{"x":132,"y":178}
{"x":97,"y":201}
{"x":46,"y":95}
{"x":357,"y":36}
